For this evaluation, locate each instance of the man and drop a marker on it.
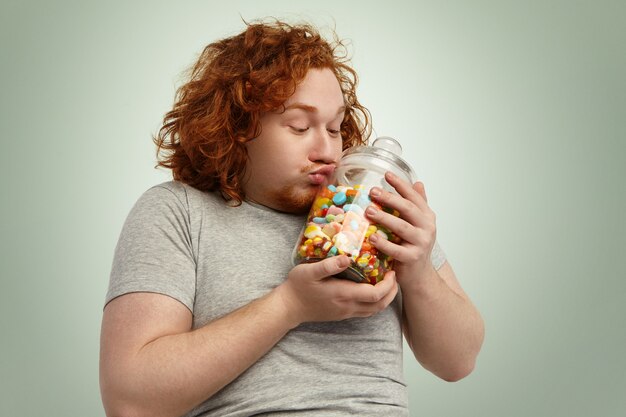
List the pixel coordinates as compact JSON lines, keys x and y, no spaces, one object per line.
{"x":205,"y":314}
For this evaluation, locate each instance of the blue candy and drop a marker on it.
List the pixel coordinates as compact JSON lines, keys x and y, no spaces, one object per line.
{"x":353,"y":207}
{"x":339,"y":198}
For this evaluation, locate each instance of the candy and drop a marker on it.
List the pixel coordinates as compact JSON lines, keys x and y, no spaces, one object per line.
{"x":312,"y":231}
{"x":370,"y":229}
{"x":336,"y":225}
{"x":334,"y":210}
{"x":354,"y":207}
{"x":322,"y":201}
{"x":331,"y":229}
{"x":339,"y":198}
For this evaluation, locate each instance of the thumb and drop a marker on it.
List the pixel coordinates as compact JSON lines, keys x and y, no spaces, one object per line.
{"x":328,"y":267}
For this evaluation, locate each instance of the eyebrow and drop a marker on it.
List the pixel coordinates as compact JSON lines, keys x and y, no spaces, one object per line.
{"x":310,"y":109}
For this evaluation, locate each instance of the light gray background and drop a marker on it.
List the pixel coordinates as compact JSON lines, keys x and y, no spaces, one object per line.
{"x":512,"y":113}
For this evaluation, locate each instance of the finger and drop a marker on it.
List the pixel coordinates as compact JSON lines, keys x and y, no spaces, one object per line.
{"x":368,"y":309}
{"x":370,"y":294}
{"x":326,"y":267}
{"x":406,"y":190}
{"x":405,"y":208}
{"x":387,"y":247}
{"x":406,"y":252}
{"x":403,"y":227}
{"x":419,"y":187}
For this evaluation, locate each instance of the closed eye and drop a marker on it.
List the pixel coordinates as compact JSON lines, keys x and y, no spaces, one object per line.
{"x":299,"y":129}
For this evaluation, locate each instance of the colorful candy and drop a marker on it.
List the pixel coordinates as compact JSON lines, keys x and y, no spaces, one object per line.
{"x":337,"y":225}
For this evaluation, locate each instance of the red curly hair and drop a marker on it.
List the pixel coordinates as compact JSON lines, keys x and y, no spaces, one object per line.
{"x":232,"y":84}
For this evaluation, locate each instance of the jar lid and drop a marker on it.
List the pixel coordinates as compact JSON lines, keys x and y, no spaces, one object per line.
{"x":384,"y":153}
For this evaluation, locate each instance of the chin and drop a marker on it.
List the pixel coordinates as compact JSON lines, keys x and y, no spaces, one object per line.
{"x":296,"y":200}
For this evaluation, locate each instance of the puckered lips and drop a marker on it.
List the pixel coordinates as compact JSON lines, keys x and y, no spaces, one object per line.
{"x":319,"y":175}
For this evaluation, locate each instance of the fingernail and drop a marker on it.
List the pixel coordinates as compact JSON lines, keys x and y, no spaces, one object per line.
{"x":371,"y":211}
{"x":373,"y":237}
{"x":391,"y":175}
{"x":375,"y":191}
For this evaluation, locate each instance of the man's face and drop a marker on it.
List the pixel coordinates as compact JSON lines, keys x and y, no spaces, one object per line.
{"x":298,"y":148}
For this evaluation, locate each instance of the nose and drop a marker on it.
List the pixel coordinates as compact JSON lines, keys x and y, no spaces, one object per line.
{"x":325,"y":148}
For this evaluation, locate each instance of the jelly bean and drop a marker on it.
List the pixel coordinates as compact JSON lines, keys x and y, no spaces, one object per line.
{"x":336,"y":225}
{"x":324,"y":201}
{"x":313,"y":231}
{"x":325,"y":192}
{"x":339,"y":198}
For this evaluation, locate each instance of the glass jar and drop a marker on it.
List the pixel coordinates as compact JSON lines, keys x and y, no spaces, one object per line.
{"x":336,"y":223}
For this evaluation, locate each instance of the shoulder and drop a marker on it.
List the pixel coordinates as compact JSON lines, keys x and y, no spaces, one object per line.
{"x":181,"y":194}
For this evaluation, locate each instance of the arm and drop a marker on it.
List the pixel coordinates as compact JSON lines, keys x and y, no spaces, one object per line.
{"x":441,"y":325}
{"x":153,"y":364}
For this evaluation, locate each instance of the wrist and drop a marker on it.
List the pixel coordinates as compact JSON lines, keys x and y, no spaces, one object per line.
{"x":424,"y":280}
{"x":284,"y":301}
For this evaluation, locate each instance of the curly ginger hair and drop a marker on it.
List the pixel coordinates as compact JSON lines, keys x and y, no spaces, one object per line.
{"x":234,"y":82}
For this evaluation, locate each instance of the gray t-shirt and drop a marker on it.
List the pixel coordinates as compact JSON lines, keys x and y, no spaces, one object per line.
{"x":214,"y":258}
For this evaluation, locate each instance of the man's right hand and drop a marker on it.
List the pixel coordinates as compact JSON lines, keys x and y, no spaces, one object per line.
{"x":311,"y":293}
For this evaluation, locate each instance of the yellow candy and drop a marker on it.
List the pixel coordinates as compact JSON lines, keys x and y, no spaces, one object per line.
{"x":321,"y":202}
{"x":371,"y":229}
{"x":313,"y":231}
{"x":362,"y":262}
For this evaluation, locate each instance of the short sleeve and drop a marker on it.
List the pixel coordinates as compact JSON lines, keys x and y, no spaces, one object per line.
{"x":437,"y":256}
{"x":154,"y":252}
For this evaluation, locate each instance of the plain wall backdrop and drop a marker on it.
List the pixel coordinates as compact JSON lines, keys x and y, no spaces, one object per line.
{"x":512,"y":113}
